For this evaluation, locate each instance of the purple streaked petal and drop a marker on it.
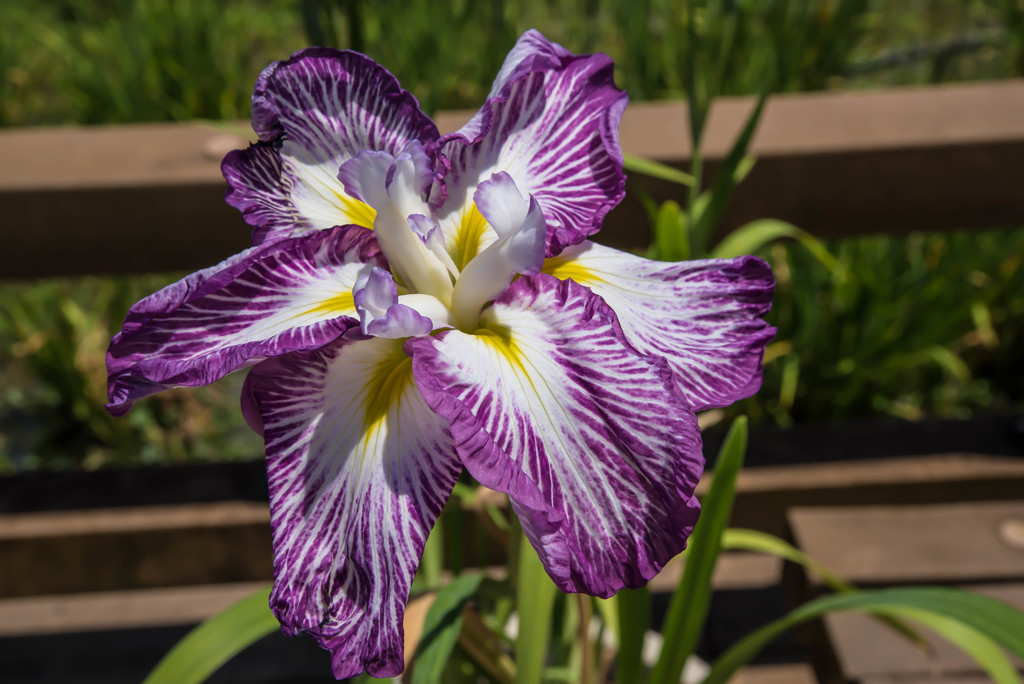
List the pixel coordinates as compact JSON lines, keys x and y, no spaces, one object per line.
{"x":359,"y":469}
{"x":532,"y":52}
{"x":294,"y":294}
{"x":257,"y":189}
{"x":704,"y":317}
{"x":320,"y":108}
{"x":554,"y":128}
{"x":549,"y":403}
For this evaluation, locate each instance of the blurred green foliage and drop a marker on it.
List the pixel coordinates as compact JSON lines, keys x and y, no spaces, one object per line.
{"x":912,"y":327}
{"x":53,"y":341}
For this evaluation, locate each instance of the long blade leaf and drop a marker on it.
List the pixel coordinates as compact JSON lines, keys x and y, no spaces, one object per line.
{"x":654,"y":169}
{"x":726,"y":178}
{"x":441,"y":628}
{"x":993,"y":620}
{"x":535,"y":600}
{"x":756,"y":234}
{"x":689,"y":604}
{"x":634,"y":609}
{"x":203,"y":650}
{"x":762,"y":542}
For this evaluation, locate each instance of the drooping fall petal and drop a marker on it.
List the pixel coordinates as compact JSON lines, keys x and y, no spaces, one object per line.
{"x":703,"y":317}
{"x":359,"y":469}
{"x":548,"y":403}
{"x":290,"y":295}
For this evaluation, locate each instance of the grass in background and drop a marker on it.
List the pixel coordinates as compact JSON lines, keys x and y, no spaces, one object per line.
{"x":921,"y":326}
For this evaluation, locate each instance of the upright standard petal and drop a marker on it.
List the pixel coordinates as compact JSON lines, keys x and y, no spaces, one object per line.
{"x":553,"y":127}
{"x":548,"y":403}
{"x":313,"y":112}
{"x":359,"y":469}
{"x":532,"y":52}
{"x":290,"y":295}
{"x":704,"y":317}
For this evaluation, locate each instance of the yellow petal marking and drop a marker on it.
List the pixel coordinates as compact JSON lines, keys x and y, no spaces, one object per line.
{"x":570,"y":269}
{"x":390,"y":380}
{"x":339,"y":305}
{"x":499,"y":338}
{"x":356,"y":211}
{"x":469,"y":237}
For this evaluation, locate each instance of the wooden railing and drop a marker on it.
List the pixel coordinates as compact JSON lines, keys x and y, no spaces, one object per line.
{"x":149,"y":197}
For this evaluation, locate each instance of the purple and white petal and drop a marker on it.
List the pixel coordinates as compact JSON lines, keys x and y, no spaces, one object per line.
{"x":554,"y":128}
{"x":321,"y":107}
{"x":549,"y":403}
{"x":532,"y":52}
{"x":257,"y":189}
{"x":359,"y":469}
{"x":704,"y":317}
{"x":294,"y":294}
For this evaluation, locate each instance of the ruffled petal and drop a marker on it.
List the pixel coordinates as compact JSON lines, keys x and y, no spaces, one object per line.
{"x":704,"y":317}
{"x":532,"y":52}
{"x":359,"y":469}
{"x":552,"y":124}
{"x":294,"y":294}
{"x":319,"y":108}
{"x":594,"y":443}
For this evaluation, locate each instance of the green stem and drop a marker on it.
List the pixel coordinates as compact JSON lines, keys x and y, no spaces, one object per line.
{"x":535,"y":600}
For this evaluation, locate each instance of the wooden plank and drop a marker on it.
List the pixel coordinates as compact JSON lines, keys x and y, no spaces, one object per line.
{"x":787,"y":673}
{"x":947,"y":543}
{"x":764,"y":495}
{"x":119,"y":609}
{"x":71,"y":551}
{"x":149,"y":197}
{"x":127,"y":520}
{"x":77,"y":551}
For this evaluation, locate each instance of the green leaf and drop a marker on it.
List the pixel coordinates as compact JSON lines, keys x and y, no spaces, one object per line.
{"x":727,"y":177}
{"x":432,"y":562}
{"x":689,"y":604}
{"x":655,"y":169}
{"x":634,"y":613}
{"x":740,"y":539}
{"x":756,"y":234}
{"x":981,"y":619}
{"x":441,"y":628}
{"x":215,"y":641}
{"x":670,"y":233}
{"x":535,"y":599}
{"x":760,"y":542}
{"x":982,"y":649}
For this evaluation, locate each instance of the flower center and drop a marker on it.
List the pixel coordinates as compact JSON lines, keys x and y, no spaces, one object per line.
{"x":435,"y":293}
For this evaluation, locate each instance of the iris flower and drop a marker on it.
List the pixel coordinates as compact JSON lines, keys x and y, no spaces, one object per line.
{"x":415,"y":304}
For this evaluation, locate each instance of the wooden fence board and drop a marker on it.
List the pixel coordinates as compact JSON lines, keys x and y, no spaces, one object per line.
{"x":149,"y":197}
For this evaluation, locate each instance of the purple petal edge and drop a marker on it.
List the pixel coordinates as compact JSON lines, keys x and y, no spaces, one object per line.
{"x":139,"y":362}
